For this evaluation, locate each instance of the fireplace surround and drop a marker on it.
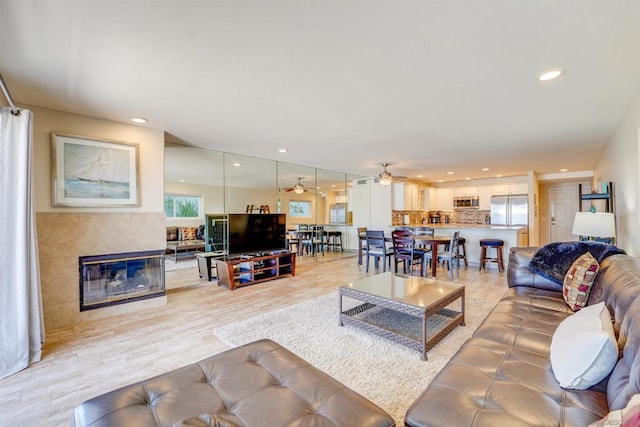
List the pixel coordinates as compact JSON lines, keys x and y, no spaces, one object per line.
{"x":107,"y":280}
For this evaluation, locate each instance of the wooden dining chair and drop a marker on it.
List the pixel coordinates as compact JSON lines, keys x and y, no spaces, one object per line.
{"x":362,"y":247}
{"x":405,"y":251}
{"x":449,"y":257}
{"x":377,"y":248}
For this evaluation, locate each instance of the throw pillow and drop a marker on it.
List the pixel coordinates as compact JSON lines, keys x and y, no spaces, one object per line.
{"x":188,"y":233}
{"x":578,"y":281}
{"x":583,"y":348}
{"x":629,"y":416}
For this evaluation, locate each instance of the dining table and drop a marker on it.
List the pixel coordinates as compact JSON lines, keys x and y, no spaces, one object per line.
{"x":434,"y":242}
{"x":423,"y":240}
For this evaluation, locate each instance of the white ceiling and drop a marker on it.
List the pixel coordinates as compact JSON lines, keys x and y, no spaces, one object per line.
{"x":429,"y":86}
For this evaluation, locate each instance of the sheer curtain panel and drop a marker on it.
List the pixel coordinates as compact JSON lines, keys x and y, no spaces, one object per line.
{"x":21,"y":321}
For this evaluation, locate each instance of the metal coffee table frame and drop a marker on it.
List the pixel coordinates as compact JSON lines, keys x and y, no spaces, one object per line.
{"x":417,"y":333}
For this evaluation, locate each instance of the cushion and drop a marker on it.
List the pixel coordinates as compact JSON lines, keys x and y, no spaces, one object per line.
{"x":578,"y":281}
{"x":583,"y":348}
{"x":172,"y":234}
{"x":629,"y":416}
{"x":188,"y":233}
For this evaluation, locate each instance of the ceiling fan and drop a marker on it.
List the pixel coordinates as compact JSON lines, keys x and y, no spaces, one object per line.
{"x":298,"y":188}
{"x":385,"y":177}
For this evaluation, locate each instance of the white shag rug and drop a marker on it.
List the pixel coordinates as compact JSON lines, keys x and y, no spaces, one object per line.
{"x":390,"y":375}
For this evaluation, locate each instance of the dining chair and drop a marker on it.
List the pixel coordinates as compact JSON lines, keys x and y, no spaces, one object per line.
{"x":423,"y":231}
{"x":449,"y":256}
{"x":377,"y":248}
{"x":362,"y":248}
{"x":405,"y":251}
{"x":314,"y":240}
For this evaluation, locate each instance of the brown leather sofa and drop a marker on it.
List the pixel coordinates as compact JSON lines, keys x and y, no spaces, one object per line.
{"x":258,"y":384}
{"x":502,"y":376}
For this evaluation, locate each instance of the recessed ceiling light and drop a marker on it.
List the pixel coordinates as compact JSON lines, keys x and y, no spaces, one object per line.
{"x":333,"y":186}
{"x":139,"y":120}
{"x":420,"y":176}
{"x":182,"y":180}
{"x":440,"y":180}
{"x":563,"y":170}
{"x":283,"y":150}
{"x":485,"y":169}
{"x":551,"y":74}
{"x":467,"y":179}
{"x":498,"y":176}
{"x":449,"y":173}
{"x":236,"y":164}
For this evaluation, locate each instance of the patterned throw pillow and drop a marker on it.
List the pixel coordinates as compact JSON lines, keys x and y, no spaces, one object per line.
{"x":578,"y":281}
{"x":188,"y":233}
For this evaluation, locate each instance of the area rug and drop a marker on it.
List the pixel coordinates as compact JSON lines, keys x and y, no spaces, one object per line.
{"x":388,"y":374}
{"x":171,"y":265}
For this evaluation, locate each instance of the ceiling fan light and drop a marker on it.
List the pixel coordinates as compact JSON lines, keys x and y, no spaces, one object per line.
{"x":298,"y":189}
{"x":385,"y":178}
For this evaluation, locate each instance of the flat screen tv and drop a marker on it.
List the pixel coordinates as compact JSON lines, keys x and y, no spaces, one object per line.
{"x":251,"y":233}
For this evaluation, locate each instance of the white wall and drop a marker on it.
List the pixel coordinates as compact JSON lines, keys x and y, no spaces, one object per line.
{"x":619,"y":163}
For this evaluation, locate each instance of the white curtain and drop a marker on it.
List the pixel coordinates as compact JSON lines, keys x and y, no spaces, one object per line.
{"x":21,"y":321}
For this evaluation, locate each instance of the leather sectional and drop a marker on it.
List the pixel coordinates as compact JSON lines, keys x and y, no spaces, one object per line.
{"x":258,"y":384}
{"x":502,"y":376}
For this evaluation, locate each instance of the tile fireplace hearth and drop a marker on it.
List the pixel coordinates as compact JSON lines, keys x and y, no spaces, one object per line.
{"x":112,"y":279}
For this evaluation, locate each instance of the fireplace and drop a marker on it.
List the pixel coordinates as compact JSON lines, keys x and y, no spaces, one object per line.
{"x":120,"y":278}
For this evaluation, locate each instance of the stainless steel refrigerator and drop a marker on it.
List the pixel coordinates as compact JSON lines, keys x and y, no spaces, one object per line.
{"x":510,"y":211}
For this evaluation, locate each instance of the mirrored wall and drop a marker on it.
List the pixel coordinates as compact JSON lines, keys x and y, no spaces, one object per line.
{"x":230,"y":183}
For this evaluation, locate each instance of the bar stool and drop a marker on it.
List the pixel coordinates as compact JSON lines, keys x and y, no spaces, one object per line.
{"x":491,"y":243}
{"x":334,"y":240}
{"x":462,"y":250}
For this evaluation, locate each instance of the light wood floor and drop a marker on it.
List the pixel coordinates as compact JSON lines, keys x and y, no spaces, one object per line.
{"x":94,"y":357}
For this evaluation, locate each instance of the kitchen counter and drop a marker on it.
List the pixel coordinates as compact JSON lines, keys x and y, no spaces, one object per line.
{"x":473,"y":233}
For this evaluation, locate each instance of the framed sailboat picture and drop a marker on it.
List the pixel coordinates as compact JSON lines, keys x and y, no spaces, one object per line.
{"x":90,"y":172}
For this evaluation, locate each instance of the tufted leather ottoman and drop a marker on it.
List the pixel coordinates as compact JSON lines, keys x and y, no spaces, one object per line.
{"x":258,"y":384}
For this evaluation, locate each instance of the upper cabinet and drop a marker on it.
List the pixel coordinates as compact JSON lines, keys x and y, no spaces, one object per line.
{"x":407,"y":197}
{"x":465,"y":191}
{"x":444,"y":199}
{"x":484,"y":197}
{"x":507,"y":189}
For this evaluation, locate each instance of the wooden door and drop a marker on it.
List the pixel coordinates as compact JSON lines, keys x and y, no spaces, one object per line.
{"x":563,"y":205}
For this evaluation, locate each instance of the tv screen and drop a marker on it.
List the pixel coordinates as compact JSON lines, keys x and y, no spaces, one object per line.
{"x":249,"y":233}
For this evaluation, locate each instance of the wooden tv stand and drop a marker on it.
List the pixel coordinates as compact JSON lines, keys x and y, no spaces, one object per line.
{"x":245,"y":270}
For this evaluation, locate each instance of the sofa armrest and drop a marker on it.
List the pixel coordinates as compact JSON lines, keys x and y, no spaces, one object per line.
{"x":518,"y":273}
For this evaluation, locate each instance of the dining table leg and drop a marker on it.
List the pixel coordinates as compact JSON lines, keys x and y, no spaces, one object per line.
{"x":434,"y":259}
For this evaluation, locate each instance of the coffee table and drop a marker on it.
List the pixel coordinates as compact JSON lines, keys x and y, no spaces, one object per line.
{"x":413,"y":311}
{"x":185,"y":248}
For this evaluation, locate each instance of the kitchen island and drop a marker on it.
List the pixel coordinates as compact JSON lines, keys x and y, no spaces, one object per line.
{"x":473,"y":233}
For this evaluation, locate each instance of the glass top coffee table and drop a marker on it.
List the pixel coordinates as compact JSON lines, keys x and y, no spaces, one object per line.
{"x":413,"y":311}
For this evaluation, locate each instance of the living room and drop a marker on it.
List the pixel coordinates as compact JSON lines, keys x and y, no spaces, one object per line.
{"x":67,"y":233}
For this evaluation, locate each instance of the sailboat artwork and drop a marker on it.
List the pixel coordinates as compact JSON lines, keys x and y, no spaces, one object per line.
{"x":104,"y":175}
{"x":96,"y":173}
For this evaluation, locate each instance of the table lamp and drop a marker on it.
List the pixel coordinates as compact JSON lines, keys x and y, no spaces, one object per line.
{"x":598,"y":226}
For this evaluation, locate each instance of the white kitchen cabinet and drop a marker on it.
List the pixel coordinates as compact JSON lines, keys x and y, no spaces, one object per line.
{"x":429,"y":199}
{"x":506,"y":189}
{"x":465,"y":191}
{"x":407,"y":197}
{"x":444,"y":199}
{"x":521,"y":188}
{"x":484,"y":197}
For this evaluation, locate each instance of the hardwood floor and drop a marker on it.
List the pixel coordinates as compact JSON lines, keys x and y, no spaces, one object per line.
{"x":94,"y":357}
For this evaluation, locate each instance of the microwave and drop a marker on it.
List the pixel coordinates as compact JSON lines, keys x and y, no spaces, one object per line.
{"x":466,"y":202}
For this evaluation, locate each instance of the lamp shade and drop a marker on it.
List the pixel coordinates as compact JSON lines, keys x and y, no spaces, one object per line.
{"x":598,"y":224}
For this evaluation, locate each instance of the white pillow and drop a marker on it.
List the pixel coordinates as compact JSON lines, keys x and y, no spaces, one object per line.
{"x":583,"y":348}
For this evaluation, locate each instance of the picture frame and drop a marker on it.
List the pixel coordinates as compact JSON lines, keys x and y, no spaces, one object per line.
{"x":91,"y":172}
{"x":299,"y":209}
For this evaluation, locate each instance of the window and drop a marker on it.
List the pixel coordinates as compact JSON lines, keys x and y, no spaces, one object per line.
{"x":181,"y":206}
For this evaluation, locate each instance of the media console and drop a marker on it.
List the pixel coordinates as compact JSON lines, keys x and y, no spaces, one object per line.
{"x":244,"y":270}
